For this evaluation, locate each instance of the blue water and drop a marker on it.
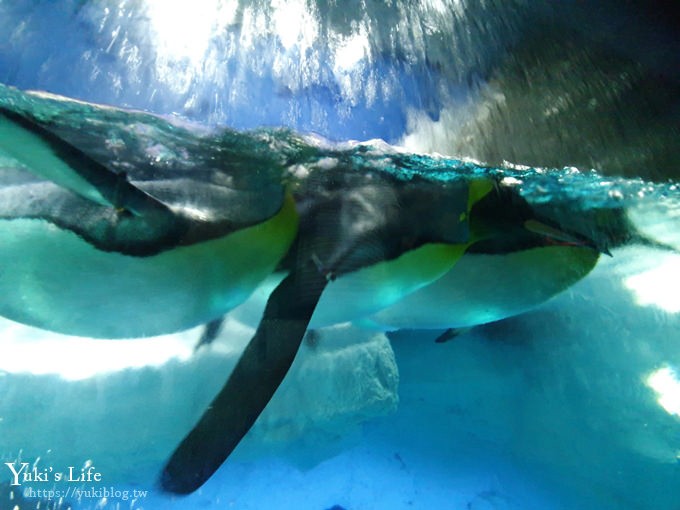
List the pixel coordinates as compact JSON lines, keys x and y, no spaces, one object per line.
{"x":574,"y":405}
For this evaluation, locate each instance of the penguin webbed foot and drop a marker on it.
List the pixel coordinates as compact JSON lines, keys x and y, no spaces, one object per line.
{"x":450,"y":334}
{"x":210,"y":332}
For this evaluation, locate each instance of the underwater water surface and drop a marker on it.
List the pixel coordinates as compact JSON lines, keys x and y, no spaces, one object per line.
{"x":573,"y":404}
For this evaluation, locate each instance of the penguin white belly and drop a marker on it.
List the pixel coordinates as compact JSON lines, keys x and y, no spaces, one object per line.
{"x":53,"y":279}
{"x":484,"y":288}
{"x":356,"y":295}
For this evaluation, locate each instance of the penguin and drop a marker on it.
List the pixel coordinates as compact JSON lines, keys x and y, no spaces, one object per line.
{"x":518,"y":257}
{"x":395,"y":235}
{"x":522,"y":256}
{"x":488,"y":287}
{"x":92,"y":249}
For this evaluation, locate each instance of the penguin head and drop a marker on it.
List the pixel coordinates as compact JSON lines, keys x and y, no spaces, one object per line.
{"x":502,"y":221}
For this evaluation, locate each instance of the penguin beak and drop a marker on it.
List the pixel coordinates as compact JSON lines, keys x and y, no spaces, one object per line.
{"x":559,"y":237}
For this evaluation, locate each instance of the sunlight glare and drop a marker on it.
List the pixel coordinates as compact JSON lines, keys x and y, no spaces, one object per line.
{"x":30,"y":350}
{"x":659,"y":285}
{"x":666,"y":384}
{"x":182,"y":33}
{"x":295,"y":23}
{"x":351,"y":51}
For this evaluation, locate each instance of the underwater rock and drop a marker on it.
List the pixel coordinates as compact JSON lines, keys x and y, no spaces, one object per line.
{"x":128,"y":416}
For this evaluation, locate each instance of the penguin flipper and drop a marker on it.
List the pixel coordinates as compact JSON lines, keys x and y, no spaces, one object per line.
{"x":253,"y":382}
{"x":46,"y":154}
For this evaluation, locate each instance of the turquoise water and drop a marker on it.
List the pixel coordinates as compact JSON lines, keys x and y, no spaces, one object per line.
{"x":574,"y":404}
{"x":474,"y":426}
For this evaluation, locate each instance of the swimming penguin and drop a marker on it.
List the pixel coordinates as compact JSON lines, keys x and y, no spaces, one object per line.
{"x":398,"y":239}
{"x":518,"y":257}
{"x":94,"y":249}
{"x":396,"y":234}
{"x":368,"y":240}
{"x":521,"y":258}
